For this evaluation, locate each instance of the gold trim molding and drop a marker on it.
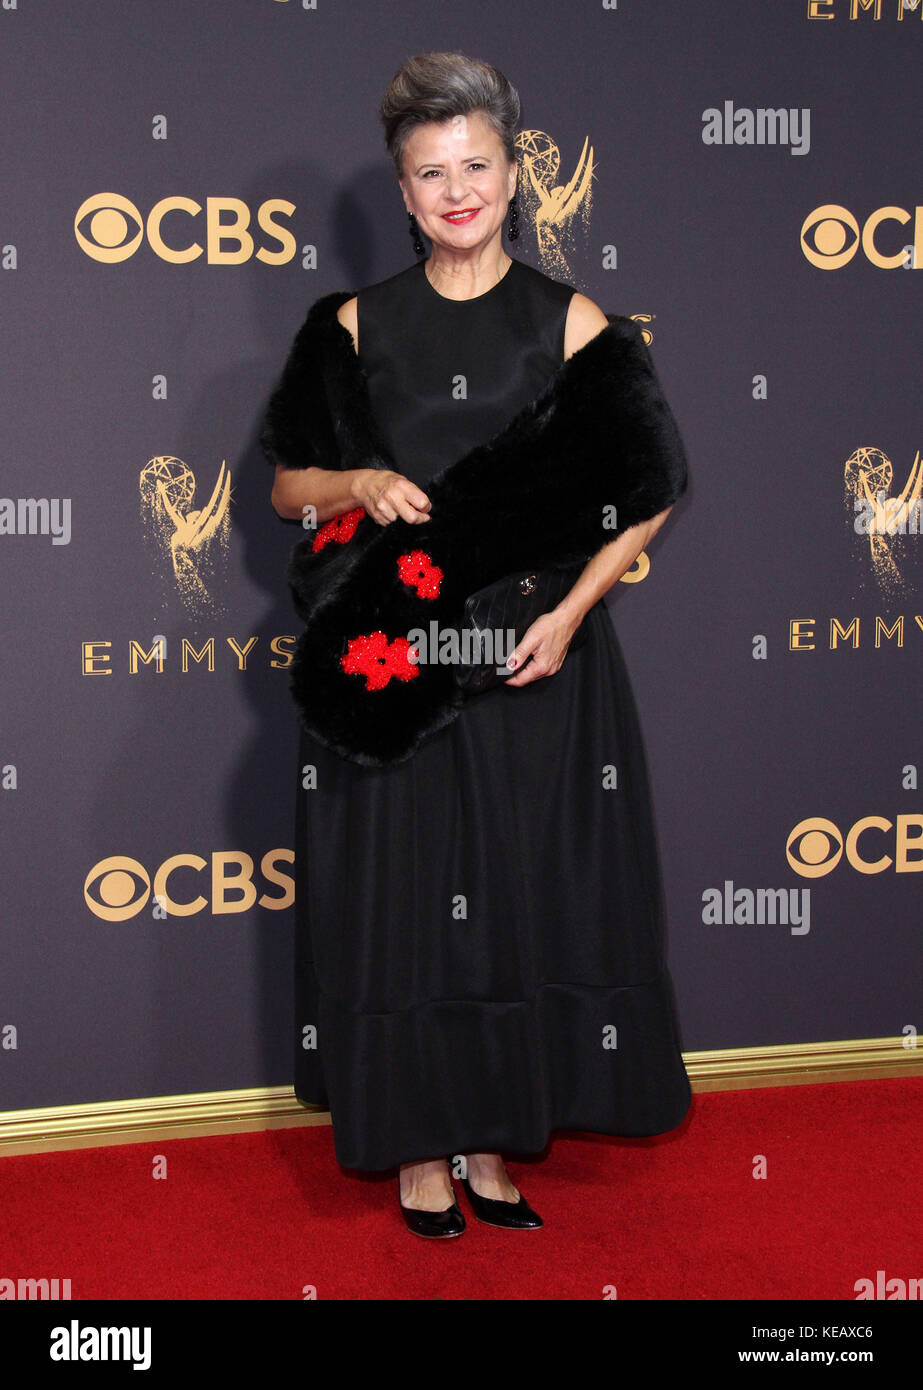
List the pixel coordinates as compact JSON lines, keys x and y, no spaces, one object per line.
{"x":158,"y":1118}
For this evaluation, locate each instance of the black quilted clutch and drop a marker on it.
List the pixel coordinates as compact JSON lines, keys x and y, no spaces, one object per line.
{"x":515,"y":601}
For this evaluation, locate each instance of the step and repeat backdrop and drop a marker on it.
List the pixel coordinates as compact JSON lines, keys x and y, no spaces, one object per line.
{"x":180,"y":182}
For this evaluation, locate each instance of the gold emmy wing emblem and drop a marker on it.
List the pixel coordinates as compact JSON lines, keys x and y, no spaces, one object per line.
{"x":551,"y":206}
{"x":193,"y":539}
{"x":887,"y":521}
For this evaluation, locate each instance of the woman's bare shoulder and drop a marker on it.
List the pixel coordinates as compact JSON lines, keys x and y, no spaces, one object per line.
{"x":349,"y":318}
{"x":584,"y":320}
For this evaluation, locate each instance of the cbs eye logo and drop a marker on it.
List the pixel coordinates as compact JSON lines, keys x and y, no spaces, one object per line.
{"x":122,"y":888}
{"x":816,"y":846}
{"x":831,"y":236}
{"x":118,"y":888}
{"x":109,"y":228}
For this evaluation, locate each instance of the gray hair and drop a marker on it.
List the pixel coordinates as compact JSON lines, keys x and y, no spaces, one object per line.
{"x":439,"y":86}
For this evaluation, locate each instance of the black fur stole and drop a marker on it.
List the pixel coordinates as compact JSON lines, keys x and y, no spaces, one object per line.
{"x":596,"y":452}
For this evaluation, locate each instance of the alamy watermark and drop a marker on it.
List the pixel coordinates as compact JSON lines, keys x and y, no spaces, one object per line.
{"x":449,"y":646}
{"x":36,"y":516}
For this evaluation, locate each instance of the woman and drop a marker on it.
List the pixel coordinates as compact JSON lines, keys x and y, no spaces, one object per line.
{"x":479,"y":954}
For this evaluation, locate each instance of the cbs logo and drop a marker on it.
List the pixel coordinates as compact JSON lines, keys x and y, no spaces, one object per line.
{"x":121,"y":886}
{"x":114,"y":228}
{"x":837,"y":236}
{"x":815,"y":846}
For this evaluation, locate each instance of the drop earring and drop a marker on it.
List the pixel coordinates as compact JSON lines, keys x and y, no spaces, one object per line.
{"x":415,"y":233}
{"x":514,"y":219}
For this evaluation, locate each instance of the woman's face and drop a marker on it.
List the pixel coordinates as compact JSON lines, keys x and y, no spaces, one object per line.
{"x":458,"y":166}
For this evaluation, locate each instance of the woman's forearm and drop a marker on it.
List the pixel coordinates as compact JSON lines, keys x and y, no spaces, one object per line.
{"x":607,"y":566}
{"x":330,"y":491}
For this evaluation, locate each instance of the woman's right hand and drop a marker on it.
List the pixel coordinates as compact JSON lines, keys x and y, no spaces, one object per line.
{"x":386,"y":495}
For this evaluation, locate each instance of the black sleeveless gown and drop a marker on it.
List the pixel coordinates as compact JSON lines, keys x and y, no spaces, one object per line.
{"x":479,"y":930}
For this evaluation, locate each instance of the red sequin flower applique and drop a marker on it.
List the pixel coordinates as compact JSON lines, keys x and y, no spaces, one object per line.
{"x":417,"y":570}
{"x":339,"y":528}
{"x":374,"y":657}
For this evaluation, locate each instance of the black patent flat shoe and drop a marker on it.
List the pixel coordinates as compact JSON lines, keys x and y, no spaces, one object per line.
{"x":515,"y":1216}
{"x":446,"y":1223}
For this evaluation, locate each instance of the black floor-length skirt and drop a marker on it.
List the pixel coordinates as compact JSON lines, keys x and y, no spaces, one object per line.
{"x":480,"y":941}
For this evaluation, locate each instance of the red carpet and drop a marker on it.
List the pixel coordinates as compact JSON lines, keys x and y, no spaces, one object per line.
{"x":262,"y":1215}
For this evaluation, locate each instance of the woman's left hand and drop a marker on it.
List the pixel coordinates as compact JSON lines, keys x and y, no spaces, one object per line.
{"x":546,"y":641}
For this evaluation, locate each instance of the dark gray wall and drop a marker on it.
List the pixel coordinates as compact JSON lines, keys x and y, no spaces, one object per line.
{"x":265,"y":99}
